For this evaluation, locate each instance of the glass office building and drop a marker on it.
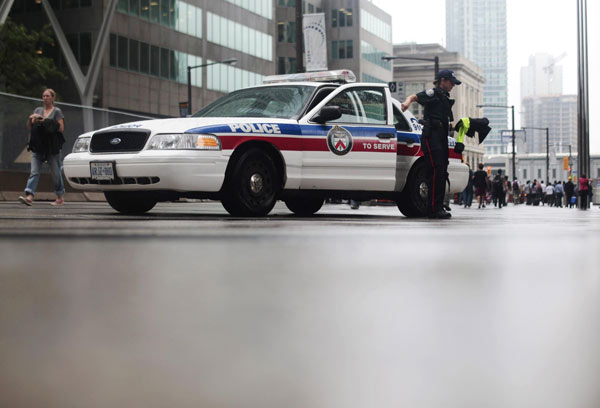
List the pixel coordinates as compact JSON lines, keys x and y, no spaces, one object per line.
{"x":477,"y":30}
{"x":152,"y":42}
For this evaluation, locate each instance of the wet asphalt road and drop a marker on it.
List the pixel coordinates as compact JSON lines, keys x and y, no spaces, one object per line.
{"x":188,"y":307}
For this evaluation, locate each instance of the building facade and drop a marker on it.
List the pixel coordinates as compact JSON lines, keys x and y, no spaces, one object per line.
{"x":150,"y":44}
{"x":358,"y":35}
{"x":533,"y":166}
{"x":558,"y":113}
{"x":413,"y":76}
{"x":477,"y":30}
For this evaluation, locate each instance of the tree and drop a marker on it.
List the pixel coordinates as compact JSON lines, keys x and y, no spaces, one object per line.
{"x":23,"y":70}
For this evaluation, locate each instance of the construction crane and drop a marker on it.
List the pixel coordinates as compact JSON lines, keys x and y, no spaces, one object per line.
{"x":549,"y":69}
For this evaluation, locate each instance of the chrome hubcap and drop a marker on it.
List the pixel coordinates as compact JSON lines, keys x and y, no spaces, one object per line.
{"x":423,"y":190}
{"x":256,"y":183}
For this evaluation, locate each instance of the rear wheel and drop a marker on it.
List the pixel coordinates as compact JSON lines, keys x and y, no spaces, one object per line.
{"x":253,"y":185}
{"x":128,"y":202}
{"x":304,"y":206}
{"x":413,"y":199}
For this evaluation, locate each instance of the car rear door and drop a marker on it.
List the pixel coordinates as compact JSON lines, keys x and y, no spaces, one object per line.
{"x":356,"y":151}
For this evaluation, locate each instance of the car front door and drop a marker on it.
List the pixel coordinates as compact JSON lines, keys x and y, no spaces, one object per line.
{"x":356,"y":151}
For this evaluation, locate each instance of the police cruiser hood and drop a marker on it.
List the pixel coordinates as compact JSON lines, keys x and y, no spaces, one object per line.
{"x":202,"y":125}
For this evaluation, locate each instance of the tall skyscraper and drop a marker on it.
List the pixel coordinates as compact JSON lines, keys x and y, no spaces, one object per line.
{"x":477,"y":30}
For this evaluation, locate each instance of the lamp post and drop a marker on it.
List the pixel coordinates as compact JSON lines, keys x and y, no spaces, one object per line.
{"x":547,"y":149}
{"x":189,"y":77}
{"x":435,"y":60}
{"x":512,"y":108}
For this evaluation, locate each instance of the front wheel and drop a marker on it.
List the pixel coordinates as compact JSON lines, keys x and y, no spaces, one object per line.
{"x":128,"y":202}
{"x":413,"y":199}
{"x":253,"y":185}
{"x":304,"y":206}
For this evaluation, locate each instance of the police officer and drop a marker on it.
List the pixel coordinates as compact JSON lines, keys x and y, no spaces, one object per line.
{"x":434,"y":139}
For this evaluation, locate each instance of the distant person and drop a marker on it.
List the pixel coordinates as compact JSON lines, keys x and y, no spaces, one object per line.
{"x":569,"y":188}
{"x":583,"y":192}
{"x":480,"y":180}
{"x":516,"y":189}
{"x":549,"y":194}
{"x":528,"y":192}
{"x":46,"y":126}
{"x":498,"y":191}
{"x":467,"y":194}
{"x":558,"y":194}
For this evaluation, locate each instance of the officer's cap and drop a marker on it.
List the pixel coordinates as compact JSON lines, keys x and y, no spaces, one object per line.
{"x":448,"y":74}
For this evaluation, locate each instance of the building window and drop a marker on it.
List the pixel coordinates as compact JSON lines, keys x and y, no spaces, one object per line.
{"x":524,"y":174}
{"x":144,"y":58}
{"x":134,"y":57}
{"x":539,"y":176}
{"x":342,"y":49}
{"x":122,"y":53}
{"x":334,"y":18}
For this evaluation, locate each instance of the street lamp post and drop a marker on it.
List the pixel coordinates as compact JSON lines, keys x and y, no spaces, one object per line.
{"x":435,"y":60}
{"x":189,"y":77}
{"x":512,"y":108}
{"x":547,"y":149}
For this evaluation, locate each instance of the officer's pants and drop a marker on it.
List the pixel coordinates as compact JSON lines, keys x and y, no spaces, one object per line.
{"x":437,"y":160}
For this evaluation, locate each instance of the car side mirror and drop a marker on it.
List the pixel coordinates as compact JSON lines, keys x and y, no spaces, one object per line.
{"x":327,"y":114}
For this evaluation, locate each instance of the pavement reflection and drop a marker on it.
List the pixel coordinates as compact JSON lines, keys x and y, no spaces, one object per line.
{"x":187,"y":309}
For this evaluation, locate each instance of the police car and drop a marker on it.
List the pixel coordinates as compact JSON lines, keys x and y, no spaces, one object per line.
{"x":299,"y":138}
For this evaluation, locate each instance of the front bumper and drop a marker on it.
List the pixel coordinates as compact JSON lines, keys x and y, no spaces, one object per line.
{"x":170,"y":170}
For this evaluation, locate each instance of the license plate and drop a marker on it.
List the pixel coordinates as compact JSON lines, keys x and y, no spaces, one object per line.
{"x":102,"y":170}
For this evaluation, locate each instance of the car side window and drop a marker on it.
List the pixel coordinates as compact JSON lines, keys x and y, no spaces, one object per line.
{"x":400,"y":122}
{"x":321,"y":94}
{"x":373,"y":103}
{"x":347,"y":104}
{"x":361,"y":105}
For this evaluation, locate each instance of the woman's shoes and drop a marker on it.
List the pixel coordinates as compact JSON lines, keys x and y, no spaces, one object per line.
{"x":27,"y":200}
{"x":58,"y":202}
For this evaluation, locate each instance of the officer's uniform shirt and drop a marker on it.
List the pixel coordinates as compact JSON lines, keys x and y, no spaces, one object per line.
{"x":437,"y":114}
{"x":437,"y":104}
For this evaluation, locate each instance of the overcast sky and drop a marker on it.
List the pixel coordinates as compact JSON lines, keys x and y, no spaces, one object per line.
{"x":534,"y":26}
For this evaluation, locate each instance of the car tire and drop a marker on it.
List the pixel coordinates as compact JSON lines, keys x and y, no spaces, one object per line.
{"x":253,"y":185}
{"x":304,"y":206}
{"x":412,"y":201}
{"x":130,"y":203}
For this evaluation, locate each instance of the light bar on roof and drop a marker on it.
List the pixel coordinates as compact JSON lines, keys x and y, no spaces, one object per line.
{"x":341,"y":75}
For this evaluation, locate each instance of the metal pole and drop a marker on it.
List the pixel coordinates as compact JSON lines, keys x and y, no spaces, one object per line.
{"x":514,"y":164}
{"x":189,"y":107}
{"x":570,"y":161}
{"x":547,"y":158}
{"x":299,"y":42}
{"x":436,"y":66}
{"x":583,"y":136}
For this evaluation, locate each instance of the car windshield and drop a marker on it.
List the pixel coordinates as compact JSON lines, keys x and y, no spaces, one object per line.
{"x":285,"y":102}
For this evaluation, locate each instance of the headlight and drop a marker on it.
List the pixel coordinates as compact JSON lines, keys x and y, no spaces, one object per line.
{"x":186,"y":141}
{"x":82,"y":144}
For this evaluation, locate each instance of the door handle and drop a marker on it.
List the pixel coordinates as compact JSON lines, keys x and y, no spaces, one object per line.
{"x":385,"y":135}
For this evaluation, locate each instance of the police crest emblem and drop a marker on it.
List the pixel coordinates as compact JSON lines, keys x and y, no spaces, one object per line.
{"x":339,"y":140}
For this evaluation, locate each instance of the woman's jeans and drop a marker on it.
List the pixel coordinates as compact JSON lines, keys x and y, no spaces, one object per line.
{"x":56,"y":165}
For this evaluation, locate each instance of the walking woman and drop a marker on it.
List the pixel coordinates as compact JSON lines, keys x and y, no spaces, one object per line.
{"x":46,"y":125}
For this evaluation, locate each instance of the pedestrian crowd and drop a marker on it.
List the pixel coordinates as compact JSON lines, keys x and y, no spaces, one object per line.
{"x":499,"y":190}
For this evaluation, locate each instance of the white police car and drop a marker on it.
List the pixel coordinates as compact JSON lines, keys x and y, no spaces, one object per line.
{"x":299,"y":138}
